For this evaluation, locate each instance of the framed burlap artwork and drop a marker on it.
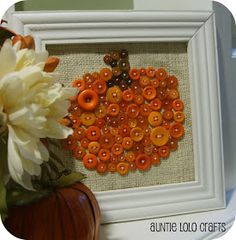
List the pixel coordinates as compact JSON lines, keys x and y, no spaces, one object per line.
{"x":184,"y":43}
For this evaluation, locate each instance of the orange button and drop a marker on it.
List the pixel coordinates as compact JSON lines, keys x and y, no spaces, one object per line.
{"x":93,"y":133}
{"x":101,"y":167}
{"x":179,"y":116}
{"x":127,"y":143}
{"x":79,"y":152}
{"x":150,"y":72}
{"x":79,"y":133}
{"x":99,"y":86}
{"x":146,"y":141}
{"x":132,"y":122}
{"x":117,"y":149}
{"x":155,"y":82}
{"x":155,"y":104}
{"x":178,"y":105}
{"x":128,"y":95}
{"x":176,"y":130}
{"x":124,"y":130}
{"x":142,"y":122}
{"x":166,"y":125}
{"x":114,"y":95}
{"x":173,"y":94}
{"x":145,"y":110}
{"x":104,"y":154}
{"x":84,"y":142}
{"x":106,"y":140}
{"x":93,"y":147}
{"x":142,"y":71}
{"x":162,"y":93}
{"x":101,"y":111}
{"x":111,"y":167}
{"x":148,"y":149}
{"x":155,"y":119}
{"x":132,"y":110}
{"x":122,"y":168}
{"x":79,"y":83}
{"x":105,"y":74}
{"x":118,"y":138}
{"x":172,"y":82}
{"x":137,"y":134}
{"x":164,"y":151}
{"x":100,"y":122}
{"x":70,"y":143}
{"x":75,"y":121}
{"x":149,"y":93}
{"x":130,"y":156}
{"x":155,"y":158}
{"x":90,"y":161}
{"x":88,"y":78}
{"x":167,"y":115}
{"x":113,"y":109}
{"x":87,"y":118}
{"x":173,"y":144}
{"x":134,"y":74}
{"x":159,"y":136}
{"x":143,"y":162}
{"x":137,"y":147}
{"x":161,"y":74}
{"x":144,"y":81}
{"x":163,"y":83}
{"x":132,"y":166}
{"x":96,"y":76}
{"x":88,"y":100}
{"x":138,"y":99}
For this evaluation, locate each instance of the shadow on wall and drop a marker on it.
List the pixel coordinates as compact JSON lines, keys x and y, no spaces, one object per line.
{"x":35,"y":5}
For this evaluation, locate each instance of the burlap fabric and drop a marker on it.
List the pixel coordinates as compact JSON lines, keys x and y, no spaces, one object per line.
{"x":77,"y":59}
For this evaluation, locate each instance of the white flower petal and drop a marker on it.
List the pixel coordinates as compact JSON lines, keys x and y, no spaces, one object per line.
{"x":31,"y":167}
{"x":30,"y":106}
{"x":15,"y":166}
{"x":7,"y":58}
{"x":41,"y":57}
{"x":56,"y":130}
{"x":18,"y":135}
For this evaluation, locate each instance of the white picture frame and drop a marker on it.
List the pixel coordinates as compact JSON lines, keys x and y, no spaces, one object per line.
{"x":198,"y":30}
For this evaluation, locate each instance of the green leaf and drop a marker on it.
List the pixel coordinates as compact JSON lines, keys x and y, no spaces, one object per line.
{"x":69,"y":179}
{"x":19,"y":197}
{"x":3,"y":202}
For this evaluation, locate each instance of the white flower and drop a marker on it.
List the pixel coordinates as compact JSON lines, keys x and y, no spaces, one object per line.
{"x":30,"y":106}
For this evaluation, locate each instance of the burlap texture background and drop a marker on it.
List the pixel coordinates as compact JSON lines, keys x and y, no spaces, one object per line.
{"x":77,"y":59}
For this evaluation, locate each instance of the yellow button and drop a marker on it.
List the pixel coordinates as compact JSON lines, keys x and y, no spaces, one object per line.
{"x":137,"y":134}
{"x":87,"y":118}
{"x":114,"y":94}
{"x":159,"y":136}
{"x":155,"y":118}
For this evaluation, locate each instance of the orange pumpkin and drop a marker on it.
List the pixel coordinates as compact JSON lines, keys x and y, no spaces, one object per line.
{"x":68,"y":213}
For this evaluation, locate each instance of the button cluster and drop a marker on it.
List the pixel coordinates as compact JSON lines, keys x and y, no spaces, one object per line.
{"x":124,"y":119}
